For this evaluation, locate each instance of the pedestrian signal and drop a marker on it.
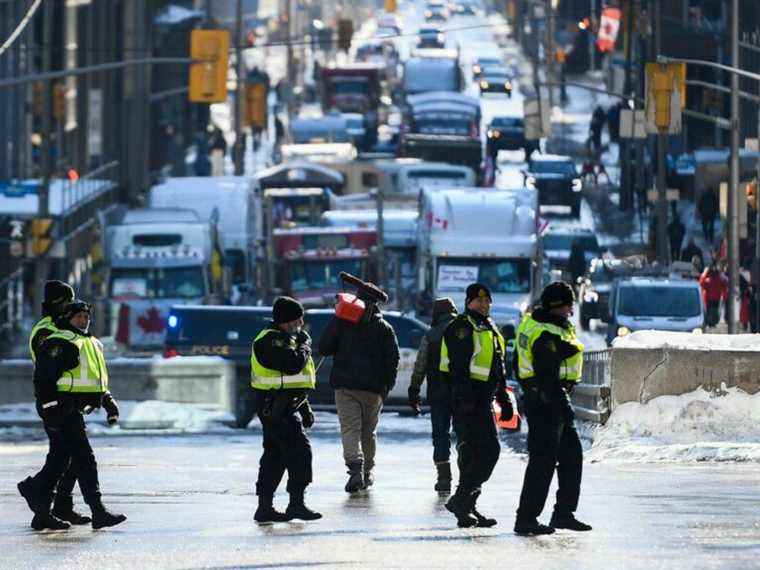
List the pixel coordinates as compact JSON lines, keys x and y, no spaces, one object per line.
{"x":208,"y":75}
{"x":256,"y":105}
{"x":41,"y":240}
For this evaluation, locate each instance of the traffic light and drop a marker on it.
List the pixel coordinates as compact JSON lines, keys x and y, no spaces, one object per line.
{"x":41,"y":239}
{"x":59,"y":102}
{"x":256,"y":105}
{"x":345,"y":32}
{"x":38,"y":98}
{"x":208,"y":77}
{"x":390,"y":6}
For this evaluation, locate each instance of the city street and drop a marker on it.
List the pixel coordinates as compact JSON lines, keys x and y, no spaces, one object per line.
{"x":190,"y":505}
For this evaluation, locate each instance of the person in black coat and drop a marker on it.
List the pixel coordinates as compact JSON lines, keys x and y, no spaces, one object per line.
{"x":365,"y":364}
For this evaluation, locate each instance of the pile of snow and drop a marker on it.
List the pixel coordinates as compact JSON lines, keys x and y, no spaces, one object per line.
{"x":688,"y":341}
{"x":698,"y":426}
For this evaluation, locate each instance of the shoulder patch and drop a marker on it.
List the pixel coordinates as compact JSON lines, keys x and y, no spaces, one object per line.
{"x":551,"y":346}
{"x":462,"y":332}
{"x":54,"y":351}
{"x":278,"y":342}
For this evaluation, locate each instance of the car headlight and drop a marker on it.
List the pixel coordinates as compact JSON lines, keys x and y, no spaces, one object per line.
{"x":484,"y":84}
{"x":697,"y":331}
{"x":577,"y":185}
{"x":476,"y":68}
{"x":530,"y":182}
{"x":508,"y":86}
{"x":492,"y":134}
{"x":591,"y":297}
{"x":428,"y":13}
{"x":623,"y":331}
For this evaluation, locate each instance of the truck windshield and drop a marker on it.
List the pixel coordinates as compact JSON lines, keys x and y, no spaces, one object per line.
{"x":166,"y":283}
{"x":553,"y":167}
{"x":350,"y":87}
{"x":565,"y":241}
{"x":443,"y":126}
{"x":297,"y":209}
{"x":650,"y":301}
{"x":499,"y":275}
{"x":309,"y":275}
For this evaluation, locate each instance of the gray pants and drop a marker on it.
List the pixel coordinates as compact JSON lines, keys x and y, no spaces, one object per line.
{"x":358,"y":412}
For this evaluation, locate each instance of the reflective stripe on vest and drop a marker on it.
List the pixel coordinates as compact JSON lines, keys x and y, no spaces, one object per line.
{"x":91,"y":375}
{"x":482,"y":354}
{"x":571,"y":368}
{"x":263,"y":378}
{"x":45,"y":323}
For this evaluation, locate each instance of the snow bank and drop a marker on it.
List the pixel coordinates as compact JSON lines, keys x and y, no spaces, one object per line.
{"x":688,"y":341}
{"x":698,"y":426}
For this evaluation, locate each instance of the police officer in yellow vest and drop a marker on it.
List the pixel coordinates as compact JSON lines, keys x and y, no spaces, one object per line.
{"x":472,"y":353}
{"x":70,"y":378}
{"x":550,"y":361}
{"x":282,"y":373}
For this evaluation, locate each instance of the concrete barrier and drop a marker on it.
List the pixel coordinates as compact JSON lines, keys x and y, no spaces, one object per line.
{"x":641,"y":374}
{"x":191,"y":379}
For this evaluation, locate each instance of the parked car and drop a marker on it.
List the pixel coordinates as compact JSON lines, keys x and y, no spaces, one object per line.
{"x":557,"y":181}
{"x":212,"y":330}
{"x":643,"y":303}
{"x":431,"y":37}
{"x":482,"y":62}
{"x":558,"y":242}
{"x":594,"y":290}
{"x":508,"y":133}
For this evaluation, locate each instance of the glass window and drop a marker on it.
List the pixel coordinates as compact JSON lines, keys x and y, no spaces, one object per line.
{"x":500,"y":275}
{"x":166,"y":283}
{"x":214,"y":327}
{"x":156,"y":240}
{"x":235,"y":259}
{"x":553,"y":167}
{"x":653,"y":301}
{"x":350,"y":87}
{"x":309,"y":275}
{"x":507,"y":122}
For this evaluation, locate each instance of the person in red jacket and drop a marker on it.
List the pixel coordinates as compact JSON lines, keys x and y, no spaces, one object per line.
{"x":714,"y":285}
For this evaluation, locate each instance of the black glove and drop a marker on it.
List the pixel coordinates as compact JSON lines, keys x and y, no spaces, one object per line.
{"x":302,"y":337}
{"x":112,"y":410}
{"x":505,"y":403}
{"x":568,"y":385}
{"x":415,"y":402}
{"x":307,"y":415}
{"x":52,"y":415}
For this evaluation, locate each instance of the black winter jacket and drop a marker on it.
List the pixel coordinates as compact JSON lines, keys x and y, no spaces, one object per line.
{"x":365,"y":355}
{"x":429,"y":360}
{"x":274,"y":351}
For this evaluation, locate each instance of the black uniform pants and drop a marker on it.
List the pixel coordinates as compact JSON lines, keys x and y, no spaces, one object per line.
{"x":553,"y":444}
{"x":286,"y":447}
{"x":478,"y":444}
{"x":70,"y":458}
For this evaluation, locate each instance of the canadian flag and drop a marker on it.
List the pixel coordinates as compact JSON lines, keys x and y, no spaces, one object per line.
{"x":608,"y":29}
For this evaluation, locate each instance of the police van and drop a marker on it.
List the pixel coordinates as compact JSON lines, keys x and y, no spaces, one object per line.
{"x":228,"y":331}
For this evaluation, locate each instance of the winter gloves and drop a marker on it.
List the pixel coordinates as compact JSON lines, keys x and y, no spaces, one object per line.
{"x":112,"y":410}
{"x":307,"y":415}
{"x":415,"y":402}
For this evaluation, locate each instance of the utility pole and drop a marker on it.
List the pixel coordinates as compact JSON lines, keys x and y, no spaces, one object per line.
{"x":380,"y":203}
{"x":42,"y":263}
{"x":239,"y":94}
{"x":626,"y":200}
{"x":662,"y":143}
{"x":591,"y":42}
{"x":290,"y":58}
{"x":733,"y":187}
{"x":551,"y":52}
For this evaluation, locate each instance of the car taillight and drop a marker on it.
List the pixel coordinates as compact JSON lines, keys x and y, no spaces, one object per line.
{"x":170,"y":352}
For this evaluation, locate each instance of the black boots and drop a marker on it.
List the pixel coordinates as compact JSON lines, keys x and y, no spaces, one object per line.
{"x":569,"y":522}
{"x":532,"y":528}
{"x":40,"y":506}
{"x":443,"y":483}
{"x":460,"y":505}
{"x":483,"y":521}
{"x":369,"y":479}
{"x":102,"y":518}
{"x":266,"y":513}
{"x":63,"y":508}
{"x":298,"y":510}
{"x":355,"y":477}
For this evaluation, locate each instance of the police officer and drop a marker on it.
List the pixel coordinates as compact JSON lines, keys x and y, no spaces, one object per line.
{"x":282,"y":373}
{"x":550,"y":360}
{"x":57,"y":295}
{"x":70,"y":378}
{"x":472,"y":353}
{"x":427,"y":366}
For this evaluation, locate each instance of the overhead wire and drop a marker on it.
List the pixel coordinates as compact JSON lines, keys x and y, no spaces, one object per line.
{"x":21,"y":26}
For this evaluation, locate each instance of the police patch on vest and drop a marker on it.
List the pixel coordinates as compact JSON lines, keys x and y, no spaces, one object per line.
{"x":278,"y":342}
{"x":54,"y":351}
{"x":523,"y":340}
{"x":462,"y":332}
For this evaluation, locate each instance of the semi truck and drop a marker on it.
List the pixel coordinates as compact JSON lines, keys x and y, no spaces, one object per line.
{"x":156,"y":258}
{"x":489,"y":236}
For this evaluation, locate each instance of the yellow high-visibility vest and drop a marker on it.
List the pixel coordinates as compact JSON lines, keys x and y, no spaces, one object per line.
{"x":571,"y":368}
{"x":91,"y":375}
{"x":482,"y":354}
{"x":263,"y":378}
{"x":45,"y":323}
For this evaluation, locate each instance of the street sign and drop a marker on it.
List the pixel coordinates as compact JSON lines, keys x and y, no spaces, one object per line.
{"x":537,"y":127}
{"x":633,"y":127}
{"x":671,"y":194}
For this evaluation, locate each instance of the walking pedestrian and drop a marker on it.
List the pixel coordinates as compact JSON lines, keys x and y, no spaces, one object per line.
{"x":438,"y":390}
{"x":714,"y":285}
{"x":70,"y":379}
{"x":550,"y":364}
{"x":365,"y":363}
{"x":676,"y":231}
{"x":693,"y":250}
{"x":57,"y":295}
{"x":473,"y":355}
{"x":282,"y":374}
{"x":708,"y":210}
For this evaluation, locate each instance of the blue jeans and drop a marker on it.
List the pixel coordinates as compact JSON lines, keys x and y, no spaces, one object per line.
{"x":440,"y":418}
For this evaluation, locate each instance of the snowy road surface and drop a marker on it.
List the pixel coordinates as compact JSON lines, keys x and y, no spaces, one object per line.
{"x":190,"y":504}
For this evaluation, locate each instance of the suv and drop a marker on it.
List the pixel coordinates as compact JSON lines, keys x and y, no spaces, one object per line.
{"x":557,"y":181}
{"x":508,"y":133}
{"x":228,"y":331}
{"x":644,"y":303}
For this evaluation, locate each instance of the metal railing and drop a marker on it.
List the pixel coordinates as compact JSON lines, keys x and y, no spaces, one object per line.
{"x":591,"y":397}
{"x":11,"y":302}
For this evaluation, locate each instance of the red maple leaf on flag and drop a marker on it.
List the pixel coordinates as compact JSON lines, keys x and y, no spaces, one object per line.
{"x":151,"y":322}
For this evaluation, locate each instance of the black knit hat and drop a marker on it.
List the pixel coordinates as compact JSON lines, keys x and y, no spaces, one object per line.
{"x":557,"y":294}
{"x":72,"y":308}
{"x":476,"y":290}
{"x":286,"y":309}
{"x":57,"y":294}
